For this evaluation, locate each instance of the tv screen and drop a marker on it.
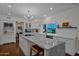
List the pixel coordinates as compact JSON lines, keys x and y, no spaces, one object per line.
{"x":51,"y":28}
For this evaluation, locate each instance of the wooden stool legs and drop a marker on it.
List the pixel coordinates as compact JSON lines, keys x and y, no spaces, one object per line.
{"x":37,"y":50}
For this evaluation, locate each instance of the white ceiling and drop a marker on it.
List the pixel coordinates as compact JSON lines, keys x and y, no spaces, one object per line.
{"x":37,"y":9}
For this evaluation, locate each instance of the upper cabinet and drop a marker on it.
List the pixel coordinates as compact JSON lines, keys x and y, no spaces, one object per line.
{"x":8,"y":27}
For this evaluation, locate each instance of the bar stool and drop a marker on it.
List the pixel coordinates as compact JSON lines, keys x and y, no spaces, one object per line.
{"x":38,"y":50}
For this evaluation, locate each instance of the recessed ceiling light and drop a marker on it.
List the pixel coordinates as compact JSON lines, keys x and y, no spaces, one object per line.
{"x":51,"y":8}
{"x":10,"y":6}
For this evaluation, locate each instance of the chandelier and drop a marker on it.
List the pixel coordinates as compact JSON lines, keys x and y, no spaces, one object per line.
{"x":29,"y":16}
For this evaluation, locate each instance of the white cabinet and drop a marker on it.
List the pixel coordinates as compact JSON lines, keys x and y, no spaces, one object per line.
{"x":7,"y":34}
{"x":0,"y":39}
{"x":7,"y":38}
{"x":58,"y":50}
{"x":69,"y":36}
{"x":23,"y":45}
{"x":70,"y":45}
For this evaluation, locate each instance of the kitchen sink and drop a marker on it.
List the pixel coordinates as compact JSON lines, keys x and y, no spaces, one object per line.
{"x":29,"y":35}
{"x":48,"y":36}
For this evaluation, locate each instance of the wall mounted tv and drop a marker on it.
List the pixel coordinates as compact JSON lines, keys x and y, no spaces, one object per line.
{"x":50,"y":28}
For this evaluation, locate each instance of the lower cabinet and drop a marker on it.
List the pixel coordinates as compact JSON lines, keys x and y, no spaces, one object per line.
{"x":70,"y":45}
{"x":7,"y":39}
{"x":58,"y":50}
{"x":25,"y":45}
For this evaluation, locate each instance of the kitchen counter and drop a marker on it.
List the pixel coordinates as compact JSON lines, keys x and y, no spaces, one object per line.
{"x":61,"y":36}
{"x":51,"y":47}
{"x":42,"y":41}
{"x":55,"y":35}
{"x":69,"y":39}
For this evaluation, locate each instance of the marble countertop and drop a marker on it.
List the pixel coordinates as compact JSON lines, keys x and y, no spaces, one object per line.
{"x":43,"y":42}
{"x":54,"y":35}
{"x":61,"y":36}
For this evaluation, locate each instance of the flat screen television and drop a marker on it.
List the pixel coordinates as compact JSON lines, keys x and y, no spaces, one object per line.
{"x":51,"y":28}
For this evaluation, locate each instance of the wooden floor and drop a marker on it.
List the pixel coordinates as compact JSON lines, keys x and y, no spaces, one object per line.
{"x":11,"y":49}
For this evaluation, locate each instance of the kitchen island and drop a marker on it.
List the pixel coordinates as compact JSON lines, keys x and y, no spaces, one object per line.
{"x":51,"y":47}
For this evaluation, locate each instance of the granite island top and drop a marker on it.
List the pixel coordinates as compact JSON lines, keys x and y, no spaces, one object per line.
{"x":62,"y":36}
{"x":55,"y":35}
{"x":41,"y":41}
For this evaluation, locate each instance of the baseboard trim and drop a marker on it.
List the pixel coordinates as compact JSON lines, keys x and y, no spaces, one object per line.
{"x":7,"y":43}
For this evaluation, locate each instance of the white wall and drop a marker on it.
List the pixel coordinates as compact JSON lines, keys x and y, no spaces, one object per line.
{"x":71,"y":16}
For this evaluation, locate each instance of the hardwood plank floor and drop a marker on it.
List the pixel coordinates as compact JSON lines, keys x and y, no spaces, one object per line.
{"x":11,"y":49}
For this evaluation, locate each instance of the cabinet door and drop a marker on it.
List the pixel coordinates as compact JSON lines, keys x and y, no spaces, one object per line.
{"x":61,"y":50}
{"x":69,"y":45}
{"x":23,"y":45}
{"x":20,"y":42}
{"x":3,"y":40}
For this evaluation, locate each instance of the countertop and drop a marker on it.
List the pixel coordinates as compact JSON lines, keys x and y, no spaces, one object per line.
{"x":41,"y":41}
{"x":61,"y":36}
{"x":54,"y":35}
